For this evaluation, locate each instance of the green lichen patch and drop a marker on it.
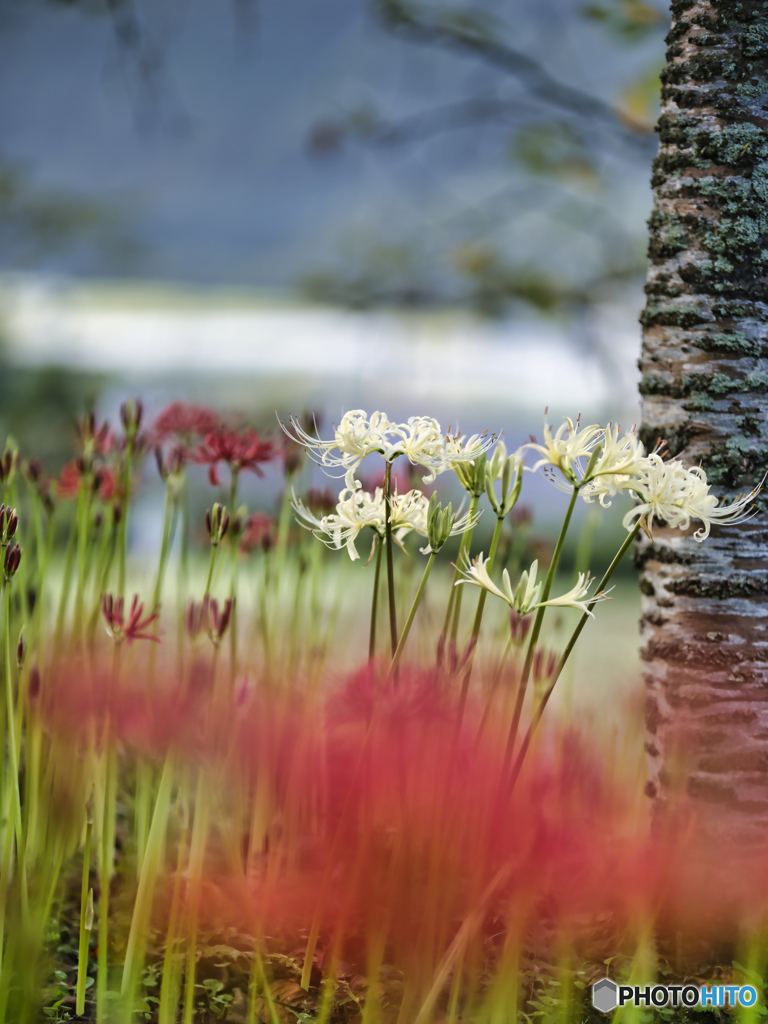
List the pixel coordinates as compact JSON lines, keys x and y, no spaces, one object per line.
{"x":667,"y":315}
{"x":730,"y":342}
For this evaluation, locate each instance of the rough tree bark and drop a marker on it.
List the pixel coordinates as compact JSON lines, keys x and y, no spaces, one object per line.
{"x":705,"y":389}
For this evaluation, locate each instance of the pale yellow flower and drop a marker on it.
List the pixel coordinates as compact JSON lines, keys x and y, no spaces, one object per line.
{"x":675,"y":494}
{"x":526,"y":597}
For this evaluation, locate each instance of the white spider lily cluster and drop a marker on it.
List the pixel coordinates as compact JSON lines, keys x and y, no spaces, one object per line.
{"x":675,"y":494}
{"x":602,"y":462}
{"x":357,"y":509}
{"x":566,"y":449}
{"x":421,"y":440}
{"x":526,"y":596}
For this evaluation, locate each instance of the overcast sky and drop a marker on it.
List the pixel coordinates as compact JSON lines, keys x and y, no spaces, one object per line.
{"x":214,"y":177}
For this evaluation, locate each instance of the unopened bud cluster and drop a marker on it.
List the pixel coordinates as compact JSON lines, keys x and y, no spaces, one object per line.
{"x":131,"y":414}
{"x":217,"y":523}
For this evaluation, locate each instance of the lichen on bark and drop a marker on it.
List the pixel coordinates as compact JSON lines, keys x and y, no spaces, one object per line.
{"x":705,"y":390}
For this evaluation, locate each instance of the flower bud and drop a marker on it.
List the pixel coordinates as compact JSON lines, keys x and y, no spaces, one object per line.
{"x":21,"y":650}
{"x":439,"y":523}
{"x":12,"y":560}
{"x":519,"y":626}
{"x":217,"y":522}
{"x":130,"y":416}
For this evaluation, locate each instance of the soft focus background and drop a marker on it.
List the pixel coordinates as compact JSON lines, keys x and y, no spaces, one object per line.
{"x":278,"y":205}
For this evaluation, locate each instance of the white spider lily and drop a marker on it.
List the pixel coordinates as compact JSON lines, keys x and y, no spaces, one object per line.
{"x":340,"y":528}
{"x":526,"y":597}
{"x":614,"y":467}
{"x":566,"y":447}
{"x":355,"y":437}
{"x":357,"y":509}
{"x":675,"y":494}
{"x":420,"y":439}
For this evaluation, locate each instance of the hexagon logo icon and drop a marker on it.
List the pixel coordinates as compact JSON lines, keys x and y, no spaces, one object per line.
{"x":605,"y":995}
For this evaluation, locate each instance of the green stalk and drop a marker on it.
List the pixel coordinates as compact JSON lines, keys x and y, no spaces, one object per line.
{"x":182,"y":579}
{"x":566,"y":654}
{"x":13,"y":752}
{"x":106,"y":854}
{"x":69,"y":561}
{"x":86,"y":920}
{"x":211,"y":563}
{"x":83,"y":509}
{"x":196,"y":857}
{"x":494,"y":685}
{"x":169,"y":998}
{"x":103,"y":567}
{"x":466,"y":541}
{"x":234,"y":476}
{"x":390,"y":561}
{"x":535,"y":631}
{"x":478,"y":622}
{"x":122,"y":546}
{"x":411,"y":614}
{"x":142,"y":907}
{"x":375,"y":600}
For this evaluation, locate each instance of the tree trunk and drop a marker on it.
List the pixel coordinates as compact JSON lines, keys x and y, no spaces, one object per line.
{"x":705,"y":390}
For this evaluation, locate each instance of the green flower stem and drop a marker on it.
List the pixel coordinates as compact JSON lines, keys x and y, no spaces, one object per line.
{"x":170,"y":517}
{"x":103,"y":567}
{"x":535,"y":631}
{"x":466,"y":541}
{"x":390,"y":561}
{"x":259,"y":979}
{"x":537,"y":715}
{"x":478,"y":622}
{"x":211,"y":563}
{"x":69,"y":562}
{"x":182,"y":578}
{"x":5,"y":876}
{"x":86,"y":920}
{"x":106,"y":856}
{"x":82,"y":515}
{"x":196,"y":858}
{"x":13,"y":752}
{"x":234,"y":543}
{"x":411,"y":614}
{"x":169,"y":984}
{"x":144,"y":774}
{"x":122,"y":544}
{"x":375,"y":600}
{"x":134,"y":953}
{"x":283,"y":530}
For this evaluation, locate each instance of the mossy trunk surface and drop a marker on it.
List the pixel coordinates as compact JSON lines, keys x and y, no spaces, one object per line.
{"x":705,"y":389}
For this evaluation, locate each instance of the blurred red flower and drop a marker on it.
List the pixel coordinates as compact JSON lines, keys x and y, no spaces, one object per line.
{"x":240,"y":450}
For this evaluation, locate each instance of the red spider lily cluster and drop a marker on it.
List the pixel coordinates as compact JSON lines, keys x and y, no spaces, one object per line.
{"x":386,"y":825}
{"x":245,"y":450}
{"x":130,"y":628}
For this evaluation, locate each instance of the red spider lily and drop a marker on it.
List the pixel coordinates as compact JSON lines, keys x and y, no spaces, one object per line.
{"x":259,"y":533}
{"x":133,"y":628}
{"x":321,"y":500}
{"x":245,"y":450}
{"x":185,"y":422}
{"x":103,"y":479}
{"x":206,"y":616}
{"x":385,"y":826}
